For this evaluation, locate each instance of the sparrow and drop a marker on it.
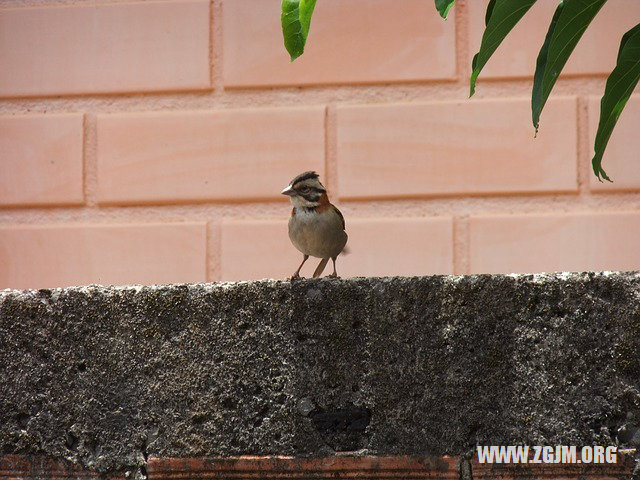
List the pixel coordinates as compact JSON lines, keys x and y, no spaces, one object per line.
{"x":316,"y":227}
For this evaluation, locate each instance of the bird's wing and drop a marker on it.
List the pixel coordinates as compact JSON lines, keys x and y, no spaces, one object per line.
{"x":340,"y":215}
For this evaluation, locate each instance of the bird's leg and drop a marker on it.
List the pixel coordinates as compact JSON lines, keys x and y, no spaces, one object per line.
{"x":334,"y":274}
{"x":297,"y":272}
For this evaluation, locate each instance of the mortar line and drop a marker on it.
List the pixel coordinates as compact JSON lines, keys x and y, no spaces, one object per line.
{"x":215,"y":46}
{"x":461,"y":245}
{"x":582,"y":147}
{"x":461,"y":19}
{"x":441,"y":91}
{"x":207,"y":254}
{"x":85,"y":128}
{"x":90,"y":160}
{"x":465,"y":469}
{"x":214,"y":251}
{"x":609,"y":202}
{"x":330,"y":150}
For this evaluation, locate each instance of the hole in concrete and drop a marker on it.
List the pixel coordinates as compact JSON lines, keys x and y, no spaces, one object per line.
{"x":82,"y":366}
{"x":71,"y":441}
{"x":350,"y":419}
{"x":228,"y":403}
{"x":199,"y":418}
{"x":23,"y":420}
{"x":356,"y":324}
{"x":260,"y":416}
{"x":92,"y":445}
{"x":474,"y":428}
{"x":45,"y":292}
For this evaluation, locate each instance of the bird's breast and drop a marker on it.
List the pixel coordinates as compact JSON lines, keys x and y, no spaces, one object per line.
{"x":317,"y":234}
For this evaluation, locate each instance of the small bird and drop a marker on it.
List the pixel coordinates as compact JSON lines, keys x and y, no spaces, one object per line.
{"x":316,"y":227}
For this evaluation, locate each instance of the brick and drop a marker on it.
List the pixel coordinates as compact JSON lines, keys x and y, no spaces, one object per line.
{"x":620,"y":159}
{"x":554,"y":242}
{"x":426,"y":249}
{"x":258,"y":249}
{"x":398,"y":246}
{"x":208,"y":155}
{"x":272,"y":467}
{"x":595,"y":54}
{"x":359,"y":41}
{"x":128,"y":47}
{"x":39,"y":466}
{"x":41,"y":159}
{"x":468,"y":147}
{"x":46,"y":256}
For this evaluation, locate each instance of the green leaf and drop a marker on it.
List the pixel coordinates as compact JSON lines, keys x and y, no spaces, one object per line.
{"x":296,"y":21}
{"x":541,"y":63}
{"x":443,"y":6}
{"x":501,"y":17}
{"x":571,"y":19}
{"x":620,"y":84}
{"x":487,"y":15}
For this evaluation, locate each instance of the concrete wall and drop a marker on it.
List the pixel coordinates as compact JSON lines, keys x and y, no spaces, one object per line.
{"x":130,"y":131}
{"x":110,"y":377}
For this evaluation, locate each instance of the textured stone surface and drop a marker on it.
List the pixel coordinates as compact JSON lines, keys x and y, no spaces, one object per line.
{"x":106,"y":377}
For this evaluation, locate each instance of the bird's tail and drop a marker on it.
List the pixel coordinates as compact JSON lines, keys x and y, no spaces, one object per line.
{"x":320,"y":267}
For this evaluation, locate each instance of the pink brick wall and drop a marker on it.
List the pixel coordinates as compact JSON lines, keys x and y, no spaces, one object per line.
{"x":148,"y":141}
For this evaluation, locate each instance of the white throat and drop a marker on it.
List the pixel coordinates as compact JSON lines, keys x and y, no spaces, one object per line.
{"x":301,"y":203}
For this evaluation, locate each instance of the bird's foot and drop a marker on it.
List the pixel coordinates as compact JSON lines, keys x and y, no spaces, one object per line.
{"x":333,"y":275}
{"x":295,"y":276}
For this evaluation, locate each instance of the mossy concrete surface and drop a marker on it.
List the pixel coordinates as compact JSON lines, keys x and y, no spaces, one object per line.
{"x":107,"y":376}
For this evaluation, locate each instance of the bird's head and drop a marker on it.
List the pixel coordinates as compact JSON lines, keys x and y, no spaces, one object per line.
{"x":305,"y":191}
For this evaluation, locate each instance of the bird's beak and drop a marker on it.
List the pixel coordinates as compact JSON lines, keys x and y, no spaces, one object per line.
{"x":289,"y":191}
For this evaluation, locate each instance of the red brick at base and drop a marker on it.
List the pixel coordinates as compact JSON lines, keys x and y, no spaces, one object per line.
{"x":40,"y":467}
{"x":339,"y":467}
{"x":621,"y":470}
{"x":427,"y":468}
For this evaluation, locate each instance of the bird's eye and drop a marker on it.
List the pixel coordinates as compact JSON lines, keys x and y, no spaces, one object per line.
{"x":304,"y":189}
